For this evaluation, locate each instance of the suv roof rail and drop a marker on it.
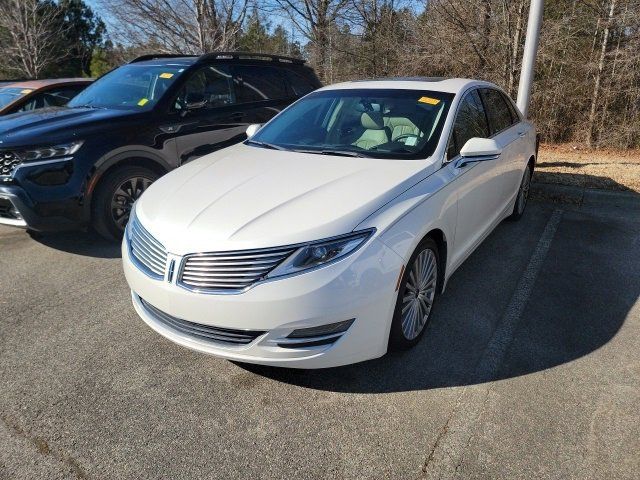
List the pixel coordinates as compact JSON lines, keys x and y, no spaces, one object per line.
{"x":152,"y":56}
{"x":251,"y":56}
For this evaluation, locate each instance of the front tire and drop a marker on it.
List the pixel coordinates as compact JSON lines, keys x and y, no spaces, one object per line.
{"x":523,"y":195}
{"x":416,"y":296}
{"x":115,"y":196}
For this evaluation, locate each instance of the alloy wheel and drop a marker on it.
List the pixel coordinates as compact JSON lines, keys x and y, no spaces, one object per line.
{"x":419,"y":294}
{"x":125,"y":196}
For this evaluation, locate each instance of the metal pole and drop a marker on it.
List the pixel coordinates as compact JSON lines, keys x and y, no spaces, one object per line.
{"x":529,"y":55}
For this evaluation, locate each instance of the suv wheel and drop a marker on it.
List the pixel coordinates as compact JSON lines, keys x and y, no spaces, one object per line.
{"x":115,"y":196}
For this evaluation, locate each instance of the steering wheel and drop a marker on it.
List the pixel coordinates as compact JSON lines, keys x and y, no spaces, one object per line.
{"x":404,"y":136}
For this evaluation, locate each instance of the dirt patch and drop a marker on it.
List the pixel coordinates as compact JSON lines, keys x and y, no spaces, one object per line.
{"x":580,"y":167}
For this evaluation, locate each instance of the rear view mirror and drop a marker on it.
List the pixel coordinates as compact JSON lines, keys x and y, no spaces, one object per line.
{"x":478,"y":150}
{"x":253,"y":129}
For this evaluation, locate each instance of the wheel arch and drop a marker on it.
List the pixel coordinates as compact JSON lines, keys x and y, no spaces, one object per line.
{"x":108,"y":165}
{"x":440,"y":238}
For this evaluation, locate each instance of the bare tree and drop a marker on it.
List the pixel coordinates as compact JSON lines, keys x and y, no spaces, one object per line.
{"x":32,"y":30}
{"x":178,"y":26}
{"x":315,"y":20}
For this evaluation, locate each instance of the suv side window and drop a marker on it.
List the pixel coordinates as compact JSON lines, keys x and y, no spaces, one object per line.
{"x":498,"y":111}
{"x":258,"y":83}
{"x":299,"y":85}
{"x":470,"y":122}
{"x":210,"y":84}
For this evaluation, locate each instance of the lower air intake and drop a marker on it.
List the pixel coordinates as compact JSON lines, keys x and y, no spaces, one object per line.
{"x":226,"y":336}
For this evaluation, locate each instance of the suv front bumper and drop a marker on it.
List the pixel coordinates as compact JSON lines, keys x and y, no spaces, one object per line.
{"x":18,"y":210}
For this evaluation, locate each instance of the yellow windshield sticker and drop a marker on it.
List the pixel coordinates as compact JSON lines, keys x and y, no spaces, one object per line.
{"x":26,"y":91}
{"x":143,"y":102}
{"x":429,"y":100}
{"x":166,"y":75}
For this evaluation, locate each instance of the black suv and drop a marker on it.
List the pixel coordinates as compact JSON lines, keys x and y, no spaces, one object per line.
{"x":86,"y":163}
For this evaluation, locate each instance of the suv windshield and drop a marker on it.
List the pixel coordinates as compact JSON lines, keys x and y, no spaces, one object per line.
{"x":387,"y":123}
{"x":131,"y":87}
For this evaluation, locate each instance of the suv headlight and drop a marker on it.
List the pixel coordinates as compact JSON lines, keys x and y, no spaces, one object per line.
{"x":43,"y":153}
{"x":320,"y":253}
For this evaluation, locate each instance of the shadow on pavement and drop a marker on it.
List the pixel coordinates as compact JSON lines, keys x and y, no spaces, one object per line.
{"x":88,"y":244}
{"x":583,"y":292}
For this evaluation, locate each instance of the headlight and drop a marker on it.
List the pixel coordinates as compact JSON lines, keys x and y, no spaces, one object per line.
{"x":43,"y":153}
{"x":321,"y":253}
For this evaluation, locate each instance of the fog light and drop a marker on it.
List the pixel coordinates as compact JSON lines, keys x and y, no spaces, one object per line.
{"x":329,"y":329}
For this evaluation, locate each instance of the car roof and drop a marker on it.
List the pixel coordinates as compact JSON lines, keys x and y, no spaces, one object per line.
{"x":166,"y":61}
{"x":36,"y":84}
{"x":438,"y":84}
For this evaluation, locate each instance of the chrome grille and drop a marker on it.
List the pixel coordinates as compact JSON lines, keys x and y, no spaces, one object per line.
{"x":207,"y":332}
{"x":8,"y":162}
{"x":150,"y":254}
{"x":230,"y":271}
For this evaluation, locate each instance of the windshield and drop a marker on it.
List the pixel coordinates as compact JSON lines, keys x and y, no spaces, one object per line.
{"x":130,"y":87}
{"x":10,"y":95}
{"x":387,"y":123}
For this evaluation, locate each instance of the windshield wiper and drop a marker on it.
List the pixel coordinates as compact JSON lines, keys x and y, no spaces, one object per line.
{"x":265,"y":145}
{"x":339,"y":153}
{"x":88,"y":106}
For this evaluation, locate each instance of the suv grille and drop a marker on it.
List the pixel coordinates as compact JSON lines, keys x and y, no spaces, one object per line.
{"x":230,"y":271}
{"x":8,"y":162}
{"x":207,"y":332}
{"x":150,"y":254}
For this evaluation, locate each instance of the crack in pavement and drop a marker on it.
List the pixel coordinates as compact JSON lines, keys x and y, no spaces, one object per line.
{"x":44,"y":448}
{"x":447,"y":454}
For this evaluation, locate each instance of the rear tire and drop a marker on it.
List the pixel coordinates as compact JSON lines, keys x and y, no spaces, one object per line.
{"x":115,"y":196}
{"x":417,"y":293}
{"x":523,"y":196}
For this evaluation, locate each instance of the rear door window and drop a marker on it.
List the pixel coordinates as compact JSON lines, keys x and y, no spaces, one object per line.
{"x":498,"y":111}
{"x":258,"y":83}
{"x":470,"y":122}
{"x":210,"y":84}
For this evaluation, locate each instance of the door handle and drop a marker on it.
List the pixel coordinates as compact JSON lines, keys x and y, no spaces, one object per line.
{"x":522,"y":134}
{"x":237,"y":116}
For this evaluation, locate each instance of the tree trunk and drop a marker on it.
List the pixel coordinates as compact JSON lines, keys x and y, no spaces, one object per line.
{"x":595,"y":97}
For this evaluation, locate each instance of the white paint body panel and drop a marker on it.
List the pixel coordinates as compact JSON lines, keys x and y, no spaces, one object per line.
{"x":245,"y":197}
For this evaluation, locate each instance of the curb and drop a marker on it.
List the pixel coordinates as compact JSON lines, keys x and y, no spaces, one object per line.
{"x":583,"y":196}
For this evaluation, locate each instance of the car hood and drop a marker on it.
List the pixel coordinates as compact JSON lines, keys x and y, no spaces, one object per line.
{"x":52,"y":124}
{"x":247,"y":197}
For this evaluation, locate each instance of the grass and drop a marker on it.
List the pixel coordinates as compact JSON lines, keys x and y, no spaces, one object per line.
{"x":581,"y":167}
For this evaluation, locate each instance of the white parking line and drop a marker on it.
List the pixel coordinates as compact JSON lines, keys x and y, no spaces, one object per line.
{"x":447,"y":452}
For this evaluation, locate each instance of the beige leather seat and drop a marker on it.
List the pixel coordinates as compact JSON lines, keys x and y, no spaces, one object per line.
{"x":401,"y":126}
{"x":375,"y":133}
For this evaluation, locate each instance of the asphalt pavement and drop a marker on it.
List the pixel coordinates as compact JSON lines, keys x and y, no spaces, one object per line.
{"x":529,"y":369}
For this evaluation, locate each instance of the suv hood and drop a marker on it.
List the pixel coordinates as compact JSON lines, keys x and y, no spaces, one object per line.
{"x":247,"y":197}
{"x":48,"y":125}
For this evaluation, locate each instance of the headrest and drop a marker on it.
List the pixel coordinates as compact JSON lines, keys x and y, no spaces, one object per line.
{"x":372,"y":120}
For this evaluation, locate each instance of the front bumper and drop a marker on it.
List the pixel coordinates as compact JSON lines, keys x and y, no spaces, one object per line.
{"x":360,"y":287}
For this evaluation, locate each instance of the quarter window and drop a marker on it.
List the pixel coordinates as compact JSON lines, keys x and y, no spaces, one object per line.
{"x":299,"y":85}
{"x":498,"y":111}
{"x":257,"y":83}
{"x":471,"y":121}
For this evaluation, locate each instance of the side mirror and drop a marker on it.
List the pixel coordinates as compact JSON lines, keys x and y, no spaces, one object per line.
{"x":253,"y":129}
{"x":479,"y":150}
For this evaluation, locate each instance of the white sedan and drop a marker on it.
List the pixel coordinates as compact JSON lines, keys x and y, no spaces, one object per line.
{"x":327,"y":236}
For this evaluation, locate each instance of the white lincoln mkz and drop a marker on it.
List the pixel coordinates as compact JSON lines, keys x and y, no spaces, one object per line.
{"x":325,"y":238}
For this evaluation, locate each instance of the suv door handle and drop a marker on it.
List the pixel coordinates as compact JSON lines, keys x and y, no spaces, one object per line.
{"x":522,"y":134}
{"x":237,"y":116}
